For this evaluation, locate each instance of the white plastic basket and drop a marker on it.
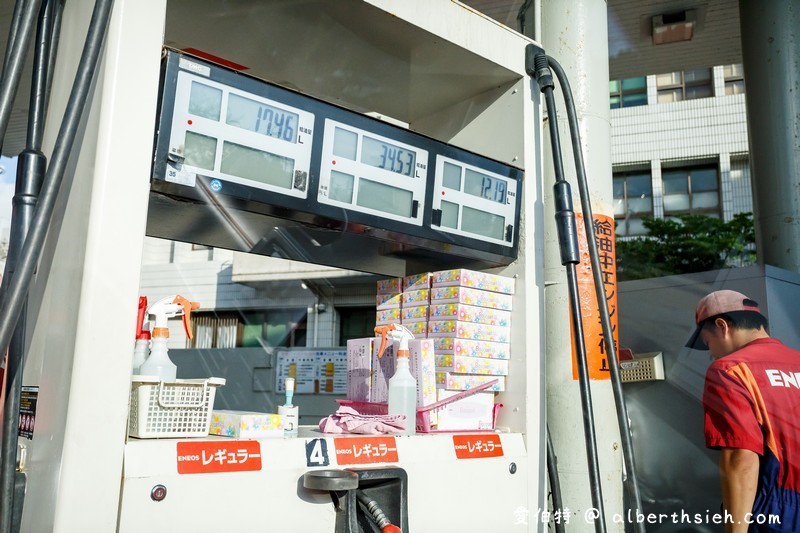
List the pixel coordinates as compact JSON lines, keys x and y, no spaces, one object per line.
{"x":180,"y":408}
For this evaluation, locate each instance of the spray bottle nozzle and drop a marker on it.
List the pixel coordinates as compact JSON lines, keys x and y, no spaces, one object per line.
{"x":169,"y":307}
{"x":142,"y":324}
{"x":397,"y":333}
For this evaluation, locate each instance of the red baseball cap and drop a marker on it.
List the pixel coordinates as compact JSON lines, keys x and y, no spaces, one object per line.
{"x":718,"y":303}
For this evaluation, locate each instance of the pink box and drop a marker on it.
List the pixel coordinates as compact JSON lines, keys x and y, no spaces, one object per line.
{"x":388,"y":301}
{"x":368,"y":375}
{"x":414,"y":298}
{"x":474,"y":279}
{"x":417,"y":281}
{"x":464,"y":295}
{"x":391,"y":285}
{"x":470,"y":313}
{"x":359,"y":369}
{"x":422,"y":363}
{"x":470,"y":348}
{"x":471,"y":365}
{"x":418,"y":313}
{"x":474,"y":412}
{"x":453,"y":381}
{"x":387,"y":316}
{"x":468,"y":330}
{"x":418,"y":328}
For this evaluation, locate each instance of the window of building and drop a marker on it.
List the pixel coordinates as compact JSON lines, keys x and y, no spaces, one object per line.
{"x":734,"y":78}
{"x":691,"y":191}
{"x":686,"y":85}
{"x":628,"y":92}
{"x":355,"y":323}
{"x":284,"y":328}
{"x":633,"y":200}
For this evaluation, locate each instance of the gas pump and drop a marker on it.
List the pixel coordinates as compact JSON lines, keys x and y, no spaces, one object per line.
{"x":458,"y":185}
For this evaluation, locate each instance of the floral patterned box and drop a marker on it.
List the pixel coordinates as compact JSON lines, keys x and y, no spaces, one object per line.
{"x":468,"y":330}
{"x":413,"y":298}
{"x":419,"y":328}
{"x":417,"y":282}
{"x":388,"y":301}
{"x":390,"y":286}
{"x":453,"y":381}
{"x":470,"y":313}
{"x":464,"y":295}
{"x":387,"y":316}
{"x":473,"y":279}
{"x":417,"y":313}
{"x":471,"y":365}
{"x":245,"y":424}
{"x":470,"y":348}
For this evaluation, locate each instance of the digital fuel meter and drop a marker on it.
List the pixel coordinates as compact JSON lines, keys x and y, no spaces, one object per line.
{"x":244,"y":164}
{"x":372,"y":174}
{"x":237,"y":136}
{"x":473,"y":202}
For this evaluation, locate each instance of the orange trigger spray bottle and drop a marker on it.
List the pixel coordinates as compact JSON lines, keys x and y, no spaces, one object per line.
{"x":159,"y":363}
{"x":402,"y":385}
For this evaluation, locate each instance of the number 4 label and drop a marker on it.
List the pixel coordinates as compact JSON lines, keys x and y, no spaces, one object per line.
{"x":317,"y":452}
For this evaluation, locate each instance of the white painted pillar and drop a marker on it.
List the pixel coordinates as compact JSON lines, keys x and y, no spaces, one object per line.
{"x":575,"y":34}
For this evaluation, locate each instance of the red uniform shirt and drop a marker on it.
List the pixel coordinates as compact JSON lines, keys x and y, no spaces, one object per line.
{"x":752,"y":401}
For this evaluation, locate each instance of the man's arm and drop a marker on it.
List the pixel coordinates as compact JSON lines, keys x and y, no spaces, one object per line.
{"x":739,"y":475}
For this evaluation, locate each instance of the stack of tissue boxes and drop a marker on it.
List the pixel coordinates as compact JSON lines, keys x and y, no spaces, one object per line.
{"x":464,"y":317}
{"x":470,"y":320}
{"x":387,"y":302}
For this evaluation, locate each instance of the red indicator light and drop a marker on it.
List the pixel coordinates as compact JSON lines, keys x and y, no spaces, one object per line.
{"x":189,"y":122}
{"x":442,"y":193}
{"x":333,"y":162}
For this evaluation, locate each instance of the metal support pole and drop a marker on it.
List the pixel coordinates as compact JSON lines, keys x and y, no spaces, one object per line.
{"x":771,"y":56}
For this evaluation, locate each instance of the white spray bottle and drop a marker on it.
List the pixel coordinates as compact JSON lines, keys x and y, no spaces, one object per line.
{"x":159,"y":363}
{"x":402,"y":385}
{"x":142,"y":347}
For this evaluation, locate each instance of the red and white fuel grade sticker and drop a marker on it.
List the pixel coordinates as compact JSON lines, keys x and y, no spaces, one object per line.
{"x":218,"y":456}
{"x":365,"y":450}
{"x":477,"y":446}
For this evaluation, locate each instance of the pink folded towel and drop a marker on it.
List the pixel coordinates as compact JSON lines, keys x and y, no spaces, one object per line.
{"x":348,"y":420}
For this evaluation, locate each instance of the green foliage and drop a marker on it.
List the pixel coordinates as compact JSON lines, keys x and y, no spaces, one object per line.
{"x":692,"y":243}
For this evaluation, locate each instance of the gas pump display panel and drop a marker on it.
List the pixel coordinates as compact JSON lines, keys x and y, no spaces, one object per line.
{"x":474,"y":202}
{"x":240,"y":163}
{"x":235,"y":136}
{"x":372,"y":174}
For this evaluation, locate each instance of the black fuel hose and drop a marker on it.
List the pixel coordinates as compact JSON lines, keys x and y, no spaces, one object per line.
{"x":630,"y":482}
{"x":555,"y":484}
{"x":31,"y":167}
{"x":536,"y":65}
{"x":14,"y":289}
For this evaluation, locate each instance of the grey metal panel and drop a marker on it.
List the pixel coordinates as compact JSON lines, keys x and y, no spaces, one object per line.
{"x":250,"y":386}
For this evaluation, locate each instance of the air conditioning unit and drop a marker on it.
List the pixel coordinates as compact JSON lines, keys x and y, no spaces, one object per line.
{"x":674,"y":27}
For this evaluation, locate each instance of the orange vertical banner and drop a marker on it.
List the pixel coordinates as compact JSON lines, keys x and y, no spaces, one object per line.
{"x":594,"y":339}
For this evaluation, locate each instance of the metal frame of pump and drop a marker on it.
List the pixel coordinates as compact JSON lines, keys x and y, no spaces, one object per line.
{"x":18,"y":284}
{"x":17,"y":279}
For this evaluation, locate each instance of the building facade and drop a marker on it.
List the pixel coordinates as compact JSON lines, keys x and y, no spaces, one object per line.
{"x":679,"y":146}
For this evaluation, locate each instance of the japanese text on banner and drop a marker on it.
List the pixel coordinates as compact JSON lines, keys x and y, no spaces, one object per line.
{"x":596,"y":352}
